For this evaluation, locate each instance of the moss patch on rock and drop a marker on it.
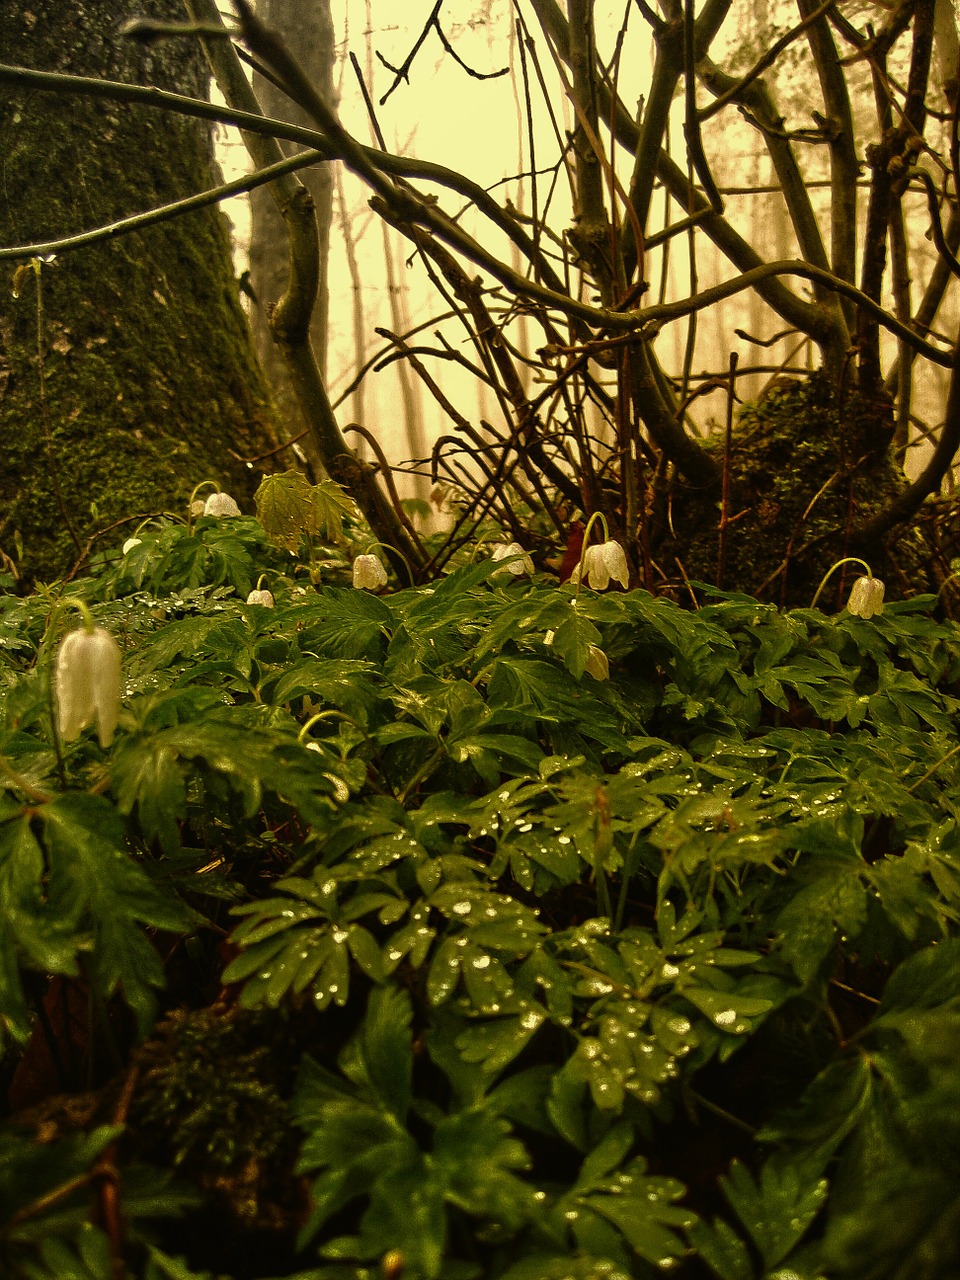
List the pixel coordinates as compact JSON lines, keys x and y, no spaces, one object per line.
{"x":807,"y":467}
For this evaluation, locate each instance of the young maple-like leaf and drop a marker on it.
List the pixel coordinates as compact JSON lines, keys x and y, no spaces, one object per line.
{"x":285,"y":508}
{"x":331,"y":503}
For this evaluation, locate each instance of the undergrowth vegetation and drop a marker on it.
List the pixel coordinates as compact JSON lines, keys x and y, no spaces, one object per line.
{"x":387,"y":939}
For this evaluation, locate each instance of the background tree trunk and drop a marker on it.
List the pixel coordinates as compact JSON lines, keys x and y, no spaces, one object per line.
{"x":147,"y":382}
{"x":307,"y":30}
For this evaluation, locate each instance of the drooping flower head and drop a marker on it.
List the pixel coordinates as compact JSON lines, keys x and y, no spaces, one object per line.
{"x":369,"y":573}
{"x":866,"y":597}
{"x":264,"y":598}
{"x":601,"y":563}
{"x":87,"y":684}
{"x":519,"y":561}
{"x":221,"y":505}
{"x":597,"y":664}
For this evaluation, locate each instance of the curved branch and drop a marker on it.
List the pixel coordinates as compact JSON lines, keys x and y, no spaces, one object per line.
{"x":844,"y":163}
{"x":137,"y":221}
{"x":936,"y":225}
{"x":664,"y":312}
{"x":929,"y":479}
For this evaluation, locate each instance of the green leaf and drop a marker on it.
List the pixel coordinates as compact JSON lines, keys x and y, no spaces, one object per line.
{"x":331,"y":506}
{"x":387,"y":1048}
{"x":777,"y":1209}
{"x":286,"y":508}
{"x":146,"y":777}
{"x":94,"y":882}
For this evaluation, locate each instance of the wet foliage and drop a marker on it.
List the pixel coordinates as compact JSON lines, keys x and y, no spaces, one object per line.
{"x":388,"y":940}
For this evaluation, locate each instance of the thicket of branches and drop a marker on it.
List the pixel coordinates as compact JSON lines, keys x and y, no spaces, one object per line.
{"x":606,"y":424}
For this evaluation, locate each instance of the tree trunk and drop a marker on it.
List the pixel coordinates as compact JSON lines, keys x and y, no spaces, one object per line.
{"x":307,"y":30}
{"x":131,"y":377}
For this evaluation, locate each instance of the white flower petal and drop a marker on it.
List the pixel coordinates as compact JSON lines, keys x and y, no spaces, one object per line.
{"x":221,"y":505}
{"x":87,"y":684}
{"x":369,"y":573}
{"x":615,"y":560}
{"x":595,"y":569}
{"x":519,"y":560}
{"x":866,"y":597}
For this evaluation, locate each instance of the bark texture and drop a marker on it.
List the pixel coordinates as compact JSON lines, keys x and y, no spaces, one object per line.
{"x":150,"y":382}
{"x":307,"y":31}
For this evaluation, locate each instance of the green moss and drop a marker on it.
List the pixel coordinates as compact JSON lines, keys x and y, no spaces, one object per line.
{"x":210,"y":1100}
{"x":807,"y":467}
{"x":149,"y":379}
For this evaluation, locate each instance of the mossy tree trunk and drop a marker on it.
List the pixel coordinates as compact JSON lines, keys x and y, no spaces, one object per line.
{"x":139,"y":379}
{"x":307,"y":30}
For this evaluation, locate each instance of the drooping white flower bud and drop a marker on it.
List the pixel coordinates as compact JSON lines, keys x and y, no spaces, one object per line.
{"x":264,"y":598}
{"x":220,"y":504}
{"x":87,"y":684}
{"x":866,"y":597}
{"x":130,"y":544}
{"x":597,"y":664}
{"x":519,"y":561}
{"x":601,"y":563}
{"x":369,"y":573}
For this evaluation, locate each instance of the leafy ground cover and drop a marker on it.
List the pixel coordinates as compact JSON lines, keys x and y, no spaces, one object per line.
{"x":390,"y":939}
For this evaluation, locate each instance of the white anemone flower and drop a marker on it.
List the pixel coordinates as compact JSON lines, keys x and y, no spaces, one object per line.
{"x":519,"y":560}
{"x":603,"y":563}
{"x":87,"y":684}
{"x":220,"y":504}
{"x":264,"y":598}
{"x":866,"y":597}
{"x":369,"y":573}
{"x":597,"y":663}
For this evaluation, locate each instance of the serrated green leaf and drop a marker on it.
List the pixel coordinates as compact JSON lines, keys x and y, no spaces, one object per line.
{"x":286,"y":507}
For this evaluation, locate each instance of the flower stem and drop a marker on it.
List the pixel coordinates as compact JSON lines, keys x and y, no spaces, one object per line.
{"x":845,"y":560}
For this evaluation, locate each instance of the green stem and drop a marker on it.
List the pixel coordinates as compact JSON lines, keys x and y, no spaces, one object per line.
{"x":597,"y":515}
{"x":23,"y":785}
{"x":933,"y":769}
{"x":423,"y":772}
{"x":845,"y":560}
